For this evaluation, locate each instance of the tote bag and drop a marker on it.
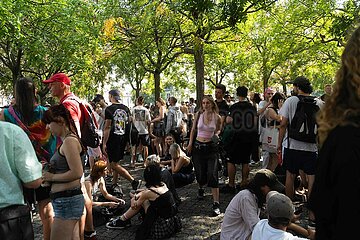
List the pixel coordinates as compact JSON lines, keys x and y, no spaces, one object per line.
{"x":270,"y":139}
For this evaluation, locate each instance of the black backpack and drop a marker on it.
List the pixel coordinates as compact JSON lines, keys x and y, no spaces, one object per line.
{"x":89,"y":127}
{"x":303,"y":126}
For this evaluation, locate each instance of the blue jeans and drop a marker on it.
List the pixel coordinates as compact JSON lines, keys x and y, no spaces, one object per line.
{"x":69,"y":208}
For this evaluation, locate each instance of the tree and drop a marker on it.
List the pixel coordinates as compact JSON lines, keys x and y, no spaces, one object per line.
{"x":41,"y":38}
{"x":200,"y":20}
{"x":147,"y":32}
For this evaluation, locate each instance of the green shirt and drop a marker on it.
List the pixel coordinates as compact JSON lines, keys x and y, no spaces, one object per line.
{"x":18,"y":163}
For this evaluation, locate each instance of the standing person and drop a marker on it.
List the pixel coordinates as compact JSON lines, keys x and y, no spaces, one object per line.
{"x":173,"y":120}
{"x":117,"y":117}
{"x":327,"y":92}
{"x":205,"y":151}
{"x":19,"y":167}
{"x":60,"y":88}
{"x":261,"y":111}
{"x":335,"y":195}
{"x":242,"y":213}
{"x":141,"y":119}
{"x":27,"y":114}
{"x":220,"y":90}
{"x":273,"y":121}
{"x":243,"y":120}
{"x":192,"y":105}
{"x":159,"y":126}
{"x":223,"y":106}
{"x":65,"y":172}
{"x":300,"y":153}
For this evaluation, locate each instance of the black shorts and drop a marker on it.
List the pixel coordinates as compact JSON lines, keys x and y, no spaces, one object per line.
{"x":240,"y":153}
{"x":42,"y":193}
{"x":144,"y":139}
{"x":116,"y":147}
{"x":295,"y":160}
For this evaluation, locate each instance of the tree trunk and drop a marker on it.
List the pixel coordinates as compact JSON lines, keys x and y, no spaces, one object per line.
{"x":200,"y":71}
{"x":157,"y":83}
{"x":16,"y":68}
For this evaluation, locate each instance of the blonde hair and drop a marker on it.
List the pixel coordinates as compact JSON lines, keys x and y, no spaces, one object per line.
{"x":343,"y":106}
{"x":152,"y":159}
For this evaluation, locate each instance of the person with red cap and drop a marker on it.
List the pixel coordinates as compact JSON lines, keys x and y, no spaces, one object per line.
{"x":59,"y":85}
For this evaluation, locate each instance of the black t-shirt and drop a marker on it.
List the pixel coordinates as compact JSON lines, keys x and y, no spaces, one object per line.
{"x":244,"y":122}
{"x":223,"y":108}
{"x":119,"y":115}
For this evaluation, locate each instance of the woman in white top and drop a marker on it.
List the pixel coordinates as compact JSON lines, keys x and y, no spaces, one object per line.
{"x":95,"y":187}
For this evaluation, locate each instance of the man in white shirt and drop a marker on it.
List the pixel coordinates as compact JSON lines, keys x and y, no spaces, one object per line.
{"x":141,"y":119}
{"x":297,"y":154}
{"x":243,"y":211}
{"x":280,"y":211}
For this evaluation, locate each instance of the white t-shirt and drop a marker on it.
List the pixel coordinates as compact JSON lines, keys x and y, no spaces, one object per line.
{"x":288,"y":111}
{"x":240,"y":216}
{"x":141,"y":116}
{"x":263,"y":231}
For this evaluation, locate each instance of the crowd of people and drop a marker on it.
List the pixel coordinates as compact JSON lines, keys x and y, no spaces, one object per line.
{"x":305,"y":144}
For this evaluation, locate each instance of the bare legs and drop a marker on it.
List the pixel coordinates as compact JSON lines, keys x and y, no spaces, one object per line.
{"x":46,"y":213}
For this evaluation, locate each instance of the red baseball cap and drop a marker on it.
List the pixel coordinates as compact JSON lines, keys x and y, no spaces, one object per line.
{"x":58,"y":77}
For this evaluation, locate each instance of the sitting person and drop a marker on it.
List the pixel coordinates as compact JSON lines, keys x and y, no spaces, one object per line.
{"x":181,"y":167}
{"x":160,"y":211}
{"x":242,"y":213}
{"x":100,"y":198}
{"x":169,"y":139}
{"x":280,"y":212}
{"x":166,"y":176}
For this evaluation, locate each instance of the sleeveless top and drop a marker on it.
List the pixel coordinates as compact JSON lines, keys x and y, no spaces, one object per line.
{"x":95,"y":191}
{"x":59,"y":164}
{"x":165,"y":205}
{"x":273,"y":122}
{"x":203,"y":130}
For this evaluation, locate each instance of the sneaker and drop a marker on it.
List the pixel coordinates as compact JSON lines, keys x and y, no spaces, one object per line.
{"x":216,"y":209}
{"x":135,"y":184}
{"x":118,"y":224}
{"x":89,"y":235}
{"x":228,"y":189}
{"x":201,"y":194}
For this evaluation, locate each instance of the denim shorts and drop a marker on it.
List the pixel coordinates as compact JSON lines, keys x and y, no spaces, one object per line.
{"x":69,"y":208}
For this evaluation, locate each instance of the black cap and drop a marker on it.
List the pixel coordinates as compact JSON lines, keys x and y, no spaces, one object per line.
{"x":301,"y":81}
{"x":267,"y":177}
{"x":115,"y":93}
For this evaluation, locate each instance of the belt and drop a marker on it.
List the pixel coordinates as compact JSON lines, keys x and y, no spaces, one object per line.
{"x":13,"y":211}
{"x":203,"y":144}
{"x":66,"y":193}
